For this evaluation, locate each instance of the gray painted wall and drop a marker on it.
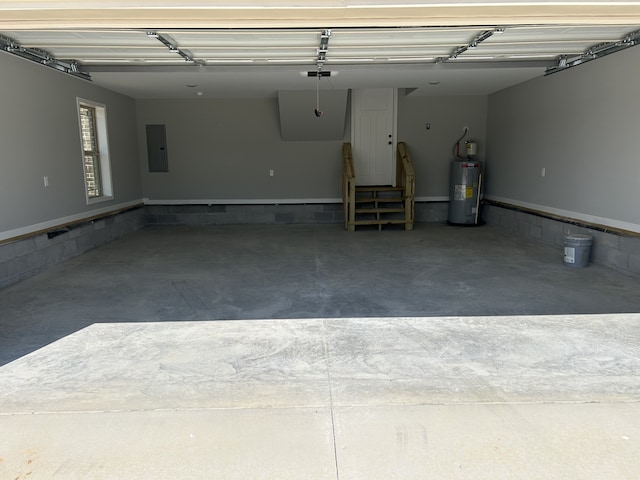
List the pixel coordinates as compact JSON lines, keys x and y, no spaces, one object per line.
{"x":298,"y":120}
{"x":431,"y":150}
{"x":39,"y":136}
{"x":218,"y":149}
{"x":582,"y":126}
{"x":223,"y":149}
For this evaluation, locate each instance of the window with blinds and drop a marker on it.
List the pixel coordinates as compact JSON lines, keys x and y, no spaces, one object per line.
{"x":90,"y":147}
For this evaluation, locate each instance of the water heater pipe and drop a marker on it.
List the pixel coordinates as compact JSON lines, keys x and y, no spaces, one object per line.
{"x":456,"y":147}
{"x":478,"y":195}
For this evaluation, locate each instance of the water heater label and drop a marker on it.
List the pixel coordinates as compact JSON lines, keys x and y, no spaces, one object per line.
{"x":469,"y":192}
{"x":459,"y":192}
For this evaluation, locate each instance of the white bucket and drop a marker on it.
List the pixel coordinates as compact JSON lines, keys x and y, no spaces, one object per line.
{"x":577,"y":249}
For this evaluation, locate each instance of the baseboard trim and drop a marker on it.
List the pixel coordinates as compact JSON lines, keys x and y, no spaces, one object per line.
{"x":593,"y":222}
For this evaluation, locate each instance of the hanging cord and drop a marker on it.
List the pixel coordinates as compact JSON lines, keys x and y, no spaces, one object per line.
{"x":456,"y":146}
{"x":317,"y":111}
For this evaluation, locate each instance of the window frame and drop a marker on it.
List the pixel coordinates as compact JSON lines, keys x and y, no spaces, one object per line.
{"x":103,"y":176}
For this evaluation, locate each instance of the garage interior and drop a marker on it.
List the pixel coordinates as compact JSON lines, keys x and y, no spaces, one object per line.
{"x":207,"y":314}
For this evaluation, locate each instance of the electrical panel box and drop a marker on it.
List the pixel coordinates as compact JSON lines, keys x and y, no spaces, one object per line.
{"x":157,"y":148}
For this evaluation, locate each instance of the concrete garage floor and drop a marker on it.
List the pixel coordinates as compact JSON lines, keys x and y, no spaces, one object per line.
{"x":306,"y":352}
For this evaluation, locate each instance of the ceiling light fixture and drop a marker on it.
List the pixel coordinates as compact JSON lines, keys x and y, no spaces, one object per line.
{"x":314,"y":73}
{"x":317,"y":74}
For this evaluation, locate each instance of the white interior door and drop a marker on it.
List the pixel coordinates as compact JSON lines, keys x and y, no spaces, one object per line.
{"x":373,"y":135}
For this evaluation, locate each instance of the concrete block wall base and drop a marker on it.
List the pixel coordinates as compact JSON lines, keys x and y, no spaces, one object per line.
{"x":28,"y":256}
{"x":612,"y":250}
{"x":202,"y":215}
{"x":312,"y":213}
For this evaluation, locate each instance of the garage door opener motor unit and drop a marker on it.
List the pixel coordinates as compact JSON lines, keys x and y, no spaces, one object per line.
{"x":465,"y":185}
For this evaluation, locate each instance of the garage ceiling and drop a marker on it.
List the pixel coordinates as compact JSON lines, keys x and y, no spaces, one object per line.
{"x":141,"y":55}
